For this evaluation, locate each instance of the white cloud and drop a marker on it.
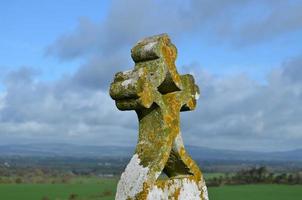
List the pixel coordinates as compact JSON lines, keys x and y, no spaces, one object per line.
{"x":233,"y":111}
{"x":238,"y":110}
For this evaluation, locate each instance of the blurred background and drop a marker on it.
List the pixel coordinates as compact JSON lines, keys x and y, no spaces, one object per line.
{"x":57,"y":61}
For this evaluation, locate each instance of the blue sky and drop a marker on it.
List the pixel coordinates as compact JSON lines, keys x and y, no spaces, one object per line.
{"x":58,"y":59}
{"x":28,"y":27}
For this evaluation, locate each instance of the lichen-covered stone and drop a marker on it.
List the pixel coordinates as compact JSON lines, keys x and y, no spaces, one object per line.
{"x":157,"y":93}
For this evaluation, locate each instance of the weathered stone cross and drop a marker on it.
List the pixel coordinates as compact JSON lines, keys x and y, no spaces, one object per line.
{"x":157,"y":93}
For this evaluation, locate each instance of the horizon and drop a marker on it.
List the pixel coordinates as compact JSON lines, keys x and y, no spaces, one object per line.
{"x":189,"y":146}
{"x":56,"y":68}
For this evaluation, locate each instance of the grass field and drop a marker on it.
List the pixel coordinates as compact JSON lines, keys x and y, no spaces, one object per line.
{"x":256,"y":192}
{"x":105,"y":189}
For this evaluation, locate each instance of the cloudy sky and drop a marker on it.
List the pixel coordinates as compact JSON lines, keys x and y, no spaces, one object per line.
{"x":57,"y":60}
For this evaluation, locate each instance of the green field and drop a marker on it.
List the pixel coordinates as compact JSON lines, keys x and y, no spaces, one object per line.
{"x":105,"y":189}
{"x":86,"y":189}
{"x":256,"y":192}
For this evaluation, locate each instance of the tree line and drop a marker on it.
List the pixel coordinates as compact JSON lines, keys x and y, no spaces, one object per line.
{"x":256,"y":175}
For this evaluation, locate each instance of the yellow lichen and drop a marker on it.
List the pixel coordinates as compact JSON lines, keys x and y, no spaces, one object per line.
{"x":157,"y":93}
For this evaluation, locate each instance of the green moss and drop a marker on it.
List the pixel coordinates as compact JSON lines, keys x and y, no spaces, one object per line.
{"x":158,"y":93}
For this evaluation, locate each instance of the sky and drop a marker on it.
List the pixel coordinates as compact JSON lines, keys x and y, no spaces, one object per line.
{"x":57,"y":60}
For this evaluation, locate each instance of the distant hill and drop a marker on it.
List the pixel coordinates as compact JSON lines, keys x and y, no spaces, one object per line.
{"x":200,"y":153}
{"x":66,"y":150}
{"x":203,"y":153}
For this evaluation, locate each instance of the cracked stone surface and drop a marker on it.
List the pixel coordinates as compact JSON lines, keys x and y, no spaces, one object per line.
{"x":158,"y":93}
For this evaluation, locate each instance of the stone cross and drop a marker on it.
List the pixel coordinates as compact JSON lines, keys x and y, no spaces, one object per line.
{"x":158,"y":94}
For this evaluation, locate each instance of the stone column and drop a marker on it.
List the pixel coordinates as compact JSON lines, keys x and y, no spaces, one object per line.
{"x":158,"y":94}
